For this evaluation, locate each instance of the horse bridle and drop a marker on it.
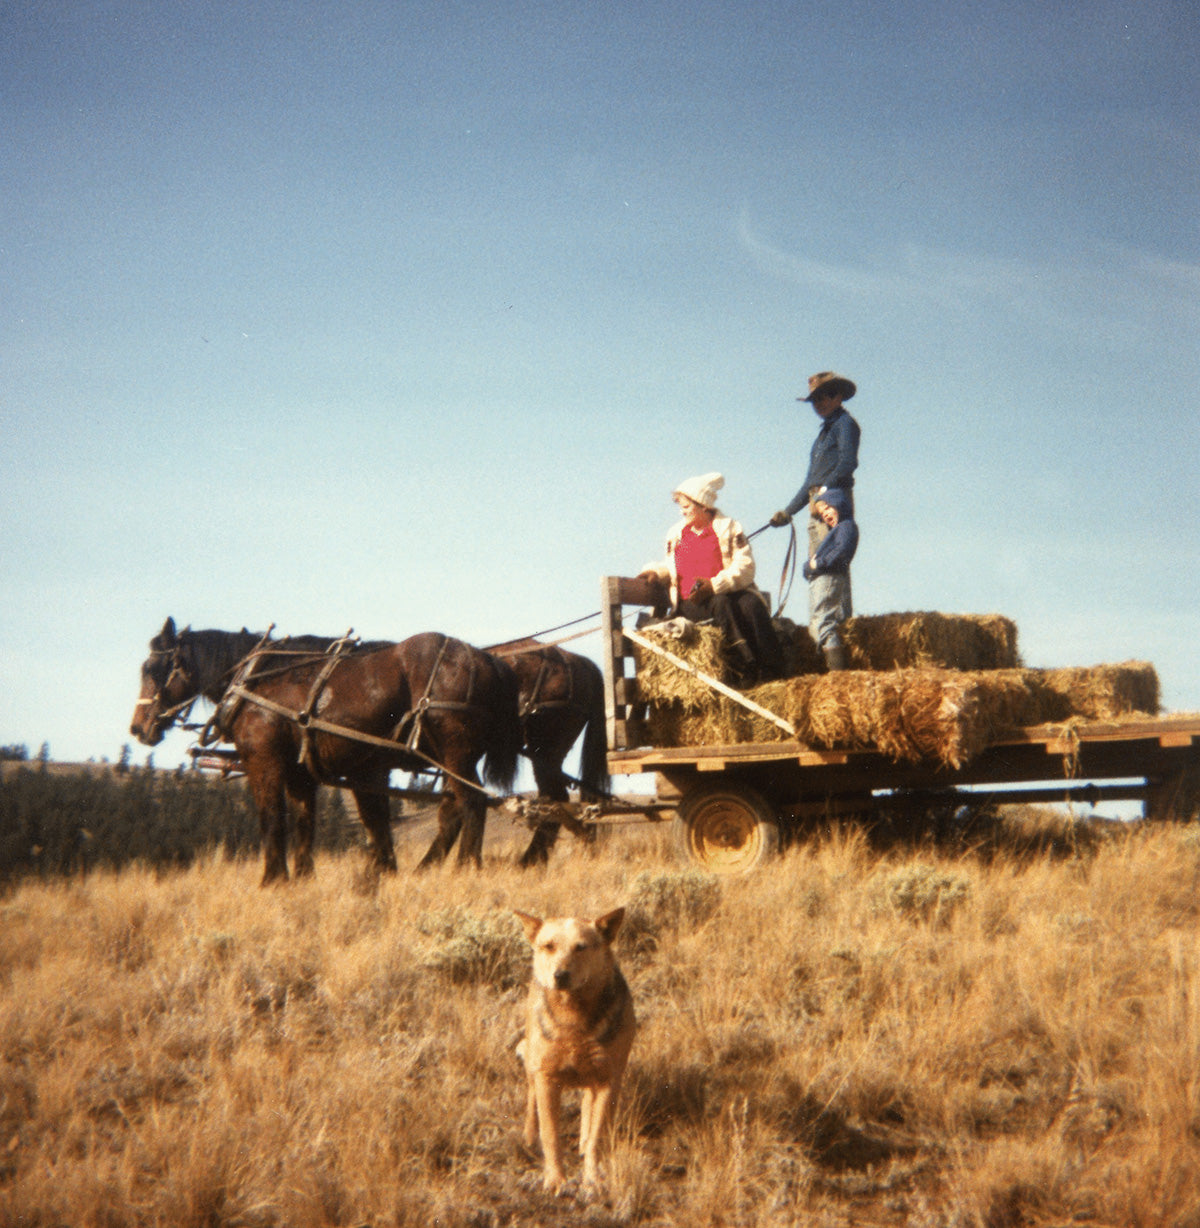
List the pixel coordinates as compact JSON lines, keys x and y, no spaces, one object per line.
{"x":168,"y":716}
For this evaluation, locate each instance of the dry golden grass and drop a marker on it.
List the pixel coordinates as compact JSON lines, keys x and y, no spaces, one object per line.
{"x":852,"y":1036}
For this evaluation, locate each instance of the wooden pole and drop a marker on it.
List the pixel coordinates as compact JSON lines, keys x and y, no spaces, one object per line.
{"x":727,"y":691}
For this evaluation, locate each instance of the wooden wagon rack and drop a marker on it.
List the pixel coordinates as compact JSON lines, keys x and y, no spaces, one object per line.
{"x":733,"y":799}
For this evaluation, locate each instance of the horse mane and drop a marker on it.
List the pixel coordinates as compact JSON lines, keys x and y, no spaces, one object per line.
{"x":213,"y":656}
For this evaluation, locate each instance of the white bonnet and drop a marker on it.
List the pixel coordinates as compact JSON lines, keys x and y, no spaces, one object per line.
{"x":702,"y":490}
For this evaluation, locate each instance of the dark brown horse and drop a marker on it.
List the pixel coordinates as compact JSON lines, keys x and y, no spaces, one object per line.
{"x":439,"y":698}
{"x":562,"y":695}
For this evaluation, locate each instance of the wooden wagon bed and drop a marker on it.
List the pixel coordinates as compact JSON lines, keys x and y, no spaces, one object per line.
{"x":732,"y":799}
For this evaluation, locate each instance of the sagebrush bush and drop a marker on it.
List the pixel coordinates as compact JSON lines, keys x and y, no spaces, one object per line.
{"x":468,"y":947}
{"x":675,"y":899}
{"x":920,"y":891}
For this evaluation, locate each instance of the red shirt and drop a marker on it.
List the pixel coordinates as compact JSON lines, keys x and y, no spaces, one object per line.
{"x":697,"y":557}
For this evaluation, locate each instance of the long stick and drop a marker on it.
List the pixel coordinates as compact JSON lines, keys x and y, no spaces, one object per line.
{"x":728,"y":691}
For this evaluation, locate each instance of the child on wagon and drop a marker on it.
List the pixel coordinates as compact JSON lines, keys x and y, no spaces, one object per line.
{"x":827,"y":571}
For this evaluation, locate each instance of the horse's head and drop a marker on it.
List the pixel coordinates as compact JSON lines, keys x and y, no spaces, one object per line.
{"x":168,"y":685}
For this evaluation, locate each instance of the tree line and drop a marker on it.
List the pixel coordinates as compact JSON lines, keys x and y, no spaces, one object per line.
{"x":55,"y":823}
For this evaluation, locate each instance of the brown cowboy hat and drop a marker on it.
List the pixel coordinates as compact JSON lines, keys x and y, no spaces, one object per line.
{"x":823,"y":379}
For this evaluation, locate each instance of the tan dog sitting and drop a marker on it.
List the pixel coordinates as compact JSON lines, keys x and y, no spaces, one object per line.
{"x":579,"y":1028}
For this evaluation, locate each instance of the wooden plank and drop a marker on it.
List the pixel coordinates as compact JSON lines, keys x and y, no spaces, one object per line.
{"x":710,"y":765}
{"x":613,"y":662}
{"x":1105,"y":731}
{"x":1175,"y":739}
{"x":755,"y":752}
{"x":715,"y":683}
{"x":627,"y":691}
{"x":817,"y":758}
{"x":633,"y":590}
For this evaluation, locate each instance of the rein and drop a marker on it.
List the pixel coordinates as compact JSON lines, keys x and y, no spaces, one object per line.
{"x":506,"y":648}
{"x":788,"y":574}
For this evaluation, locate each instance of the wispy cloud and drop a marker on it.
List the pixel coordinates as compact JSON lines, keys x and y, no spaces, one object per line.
{"x":1108,"y":294}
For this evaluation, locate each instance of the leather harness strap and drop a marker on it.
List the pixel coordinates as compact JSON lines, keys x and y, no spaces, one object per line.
{"x":337,"y":651}
{"x":407,"y":728}
{"x":534,"y":703}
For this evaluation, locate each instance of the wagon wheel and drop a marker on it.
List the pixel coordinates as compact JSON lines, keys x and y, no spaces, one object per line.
{"x":729,"y":830}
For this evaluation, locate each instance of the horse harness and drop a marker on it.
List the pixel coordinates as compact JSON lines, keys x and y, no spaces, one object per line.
{"x":534,"y":703}
{"x":168,"y":716}
{"x":405,"y":736}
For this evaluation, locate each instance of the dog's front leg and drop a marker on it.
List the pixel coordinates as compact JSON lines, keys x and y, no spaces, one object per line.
{"x":531,"y":1115}
{"x":549,"y":1101}
{"x":587,"y":1106}
{"x":595,"y":1122}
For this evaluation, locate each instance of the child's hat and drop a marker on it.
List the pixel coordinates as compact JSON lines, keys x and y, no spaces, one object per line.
{"x":702,"y":490}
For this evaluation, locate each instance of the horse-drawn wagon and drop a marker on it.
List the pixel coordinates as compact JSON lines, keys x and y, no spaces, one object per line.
{"x":313,"y":710}
{"x":733,"y":803}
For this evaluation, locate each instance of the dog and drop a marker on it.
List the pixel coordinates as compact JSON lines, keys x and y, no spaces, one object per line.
{"x":579,"y":1028}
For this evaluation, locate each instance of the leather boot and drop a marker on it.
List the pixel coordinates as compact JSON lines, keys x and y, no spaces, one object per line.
{"x":835,"y":658}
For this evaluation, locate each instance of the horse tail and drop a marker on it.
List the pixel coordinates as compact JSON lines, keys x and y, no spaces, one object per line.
{"x":593,"y":757}
{"x":503,"y":749}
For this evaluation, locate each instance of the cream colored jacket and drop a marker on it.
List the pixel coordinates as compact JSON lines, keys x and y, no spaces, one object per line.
{"x":737,"y":559}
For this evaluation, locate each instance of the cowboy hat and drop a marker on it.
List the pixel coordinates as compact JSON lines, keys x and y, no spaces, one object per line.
{"x":823,"y":379}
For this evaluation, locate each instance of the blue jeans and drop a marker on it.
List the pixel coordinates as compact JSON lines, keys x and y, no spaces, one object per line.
{"x":829,"y":606}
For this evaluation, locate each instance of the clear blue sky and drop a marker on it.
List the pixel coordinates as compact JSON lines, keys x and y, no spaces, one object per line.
{"x":409,"y":316}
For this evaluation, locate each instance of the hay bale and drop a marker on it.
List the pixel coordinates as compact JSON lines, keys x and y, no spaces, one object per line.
{"x":948,"y":716}
{"x":929,"y":640}
{"x":661,"y":682}
{"x":1105,"y":692}
{"x":881,"y":642}
{"x":914,"y":716}
{"x":941,"y":714}
{"x":675,"y":724}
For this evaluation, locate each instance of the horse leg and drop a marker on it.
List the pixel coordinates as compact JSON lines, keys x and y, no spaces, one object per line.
{"x":449,"y":819}
{"x":267,"y":789}
{"x":302,"y":801}
{"x":550,"y":787}
{"x":376,"y":815}
{"x":473,"y":804}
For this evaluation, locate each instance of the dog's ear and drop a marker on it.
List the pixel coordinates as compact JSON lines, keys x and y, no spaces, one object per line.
{"x":530,"y":924}
{"x":609,"y":924}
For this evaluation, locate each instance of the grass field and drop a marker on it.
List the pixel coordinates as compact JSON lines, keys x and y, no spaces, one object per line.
{"x":997,"y":1033}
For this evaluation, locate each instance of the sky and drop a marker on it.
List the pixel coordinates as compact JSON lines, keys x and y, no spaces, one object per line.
{"x":407,"y":317}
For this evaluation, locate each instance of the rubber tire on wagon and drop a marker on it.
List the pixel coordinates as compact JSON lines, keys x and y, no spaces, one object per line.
{"x":728,"y":829}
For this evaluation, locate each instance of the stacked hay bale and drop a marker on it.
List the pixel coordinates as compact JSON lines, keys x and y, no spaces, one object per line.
{"x":927,"y":639}
{"x":685,"y":711}
{"x":924,"y":688}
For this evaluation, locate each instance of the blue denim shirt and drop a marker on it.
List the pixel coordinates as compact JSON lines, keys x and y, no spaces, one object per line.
{"x":833,"y":459}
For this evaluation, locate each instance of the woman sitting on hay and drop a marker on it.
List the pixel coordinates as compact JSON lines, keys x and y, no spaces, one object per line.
{"x":709,"y":574}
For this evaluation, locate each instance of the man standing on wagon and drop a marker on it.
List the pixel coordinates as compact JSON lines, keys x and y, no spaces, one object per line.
{"x":831,"y":466}
{"x":834,"y":456}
